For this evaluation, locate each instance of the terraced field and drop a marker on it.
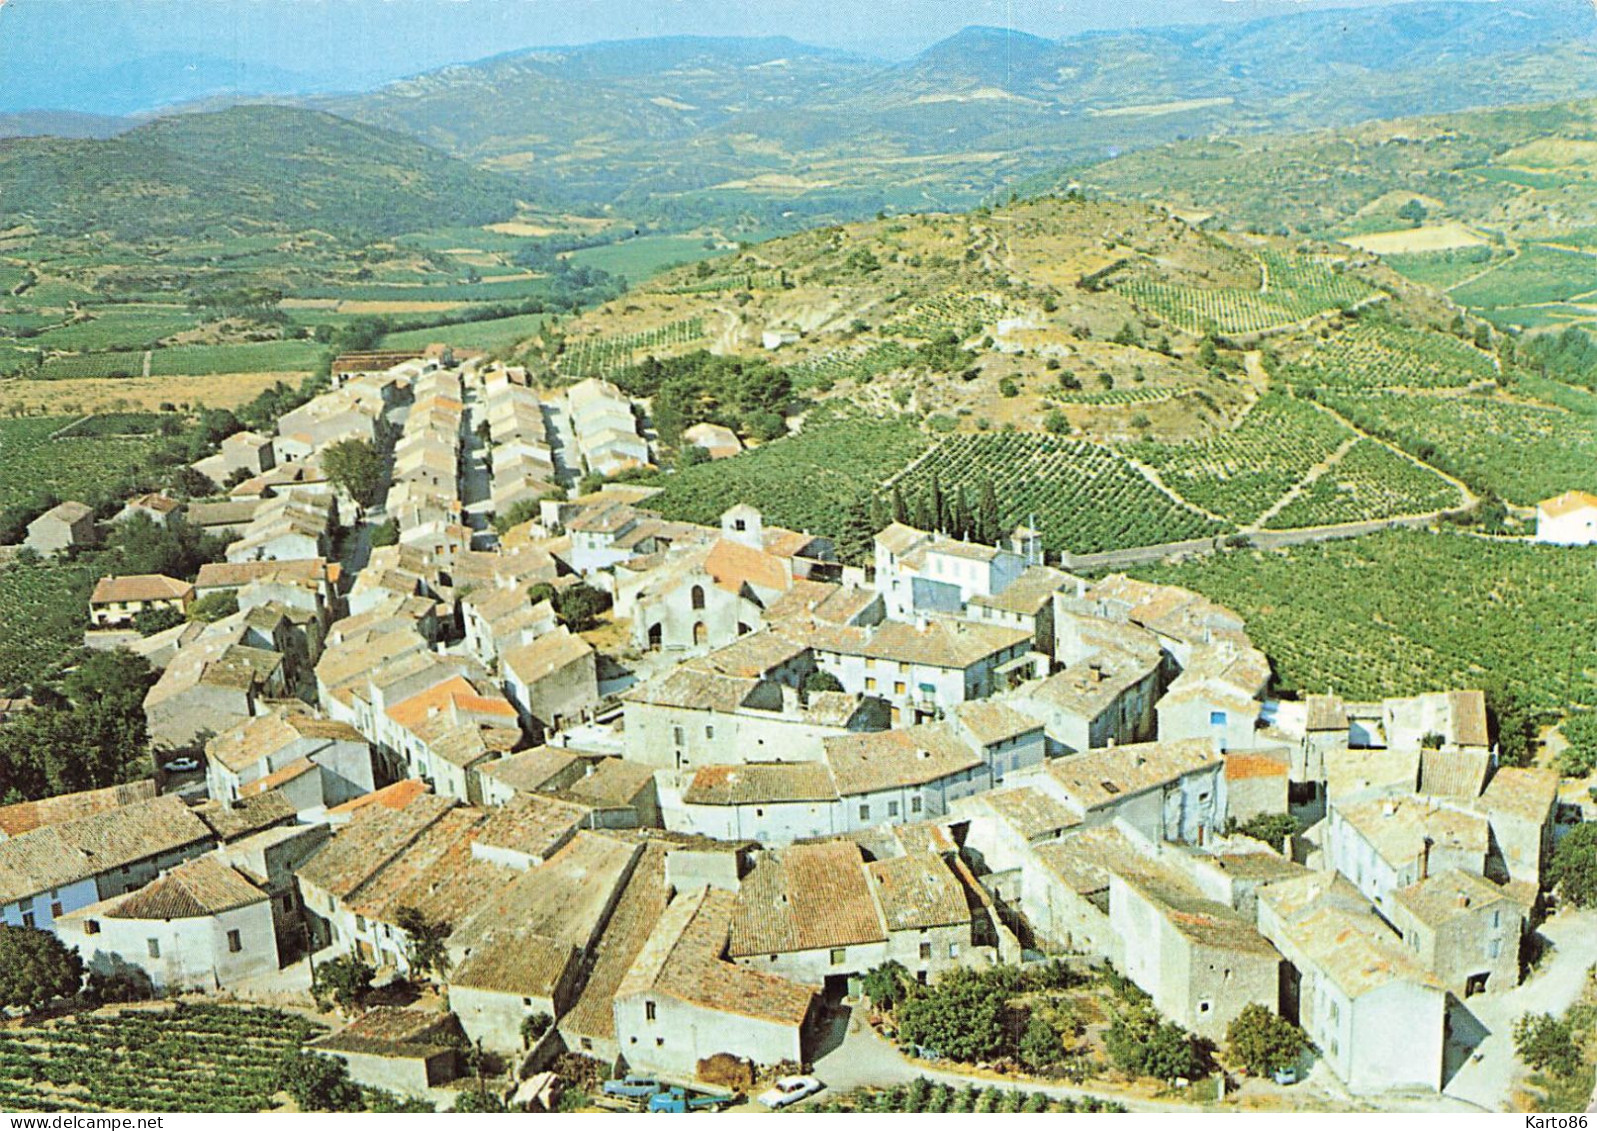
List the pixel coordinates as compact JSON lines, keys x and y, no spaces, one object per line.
{"x":1368,"y":481}
{"x":599,"y":357}
{"x":1380,"y":355}
{"x":1292,"y":288}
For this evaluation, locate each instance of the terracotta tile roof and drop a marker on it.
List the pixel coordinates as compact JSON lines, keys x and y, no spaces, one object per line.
{"x":1085,"y":859}
{"x":734,"y":565}
{"x":522,"y":965}
{"x":917,"y":891}
{"x":760,"y":782}
{"x":1108,"y":776}
{"x":899,"y":539}
{"x":1325,"y":712}
{"x":281,"y":776}
{"x":611,"y":782}
{"x":396,"y":796}
{"x":865,"y":763}
{"x":374,"y":837}
{"x":642,"y":904}
{"x":139,"y":587}
{"x":1448,"y":895}
{"x":1351,"y":772}
{"x":197,"y":889}
{"x":991,"y":722}
{"x":1568,"y":503}
{"x":1028,"y":810}
{"x":1243,"y":765}
{"x":1468,"y":712}
{"x":952,"y":645}
{"x":390,"y":1031}
{"x":1183,"y":906}
{"x":261,"y":736}
{"x":249,"y":815}
{"x":683,"y":960}
{"x":68,"y":512}
{"x":1400,"y":828}
{"x":532,"y":825}
{"x":456,"y":695}
{"x":234,"y":575}
{"x":25,"y":816}
{"x":1087,"y":690}
{"x":530,"y":770}
{"x":1029,"y":592}
{"x":54,"y":856}
{"x":1454,"y":773}
{"x":1526,"y":792}
{"x":550,"y":653}
{"x":1356,"y":951}
{"x":436,"y":874}
{"x":155,"y":501}
{"x":805,"y":897}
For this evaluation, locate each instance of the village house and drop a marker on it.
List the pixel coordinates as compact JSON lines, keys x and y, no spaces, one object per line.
{"x":219,"y":680}
{"x":25,"y":816}
{"x":62,"y":527}
{"x":553,"y":681}
{"x":445,"y":732}
{"x":681,"y":1001}
{"x":1104,"y":701}
{"x":605,"y":429}
{"x":242,"y":451}
{"x":156,"y":507}
{"x":1463,"y":929}
{"x":918,"y":572}
{"x":1377,"y":1017}
{"x":117,"y":601}
{"x":409,"y":1051}
{"x":530,"y":771}
{"x":58,"y":868}
{"x":293,"y":526}
{"x":200,"y":926}
{"x":525,"y":951}
{"x":1165,"y":790}
{"x":1064,"y":889}
{"x":1568,"y":520}
{"x":717,"y":440}
{"x":1027,"y":603}
{"x":290,"y":744}
{"x":268,"y":858}
{"x":1201,"y":961}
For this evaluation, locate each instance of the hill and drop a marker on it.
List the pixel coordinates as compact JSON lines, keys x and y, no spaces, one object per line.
{"x":699,"y":130}
{"x":1119,"y":377}
{"x":1497,"y":207}
{"x":255,"y":168}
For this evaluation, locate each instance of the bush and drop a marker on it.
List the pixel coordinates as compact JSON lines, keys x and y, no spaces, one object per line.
{"x":1546,"y":1043}
{"x":1008,"y":388}
{"x":1140,"y":1044}
{"x":1262,"y":1041}
{"x":1573,"y":870}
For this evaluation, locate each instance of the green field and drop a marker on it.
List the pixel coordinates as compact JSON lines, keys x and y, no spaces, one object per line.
{"x":1403,"y":612}
{"x":493,"y":334}
{"x":118,"y":327}
{"x":1291,"y":289}
{"x":1369,"y":481}
{"x":1376,"y":354}
{"x":645,"y":256}
{"x":195,"y":1058}
{"x":44,"y":608}
{"x":1525,"y":451}
{"x":1538,"y":274}
{"x":252,"y":357}
{"x":1443,"y":269}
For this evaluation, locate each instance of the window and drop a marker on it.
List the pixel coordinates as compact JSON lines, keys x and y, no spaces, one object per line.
{"x":864,"y":812}
{"x":759,"y":812}
{"x":839,"y":955}
{"x":153,"y":946}
{"x":953,"y":950}
{"x":288,"y":901}
{"x":1494,"y":948}
{"x":697,"y":596}
{"x":1205,"y":1006}
{"x":91,"y":926}
{"x":587,"y":1044}
{"x":870,"y":664}
{"x":27,"y":918}
{"x":1217,"y":718}
{"x":659,"y":1042}
{"x":55,"y":911}
{"x":677,"y":735}
{"x":360,"y":923}
{"x":709,"y":732}
{"x":1497,"y":921}
{"x":925,"y":952}
{"x":235,"y":942}
{"x":648,"y":1011}
{"x":898,"y":687}
{"x":26,"y":904}
{"x":870,"y":683}
{"x":914,"y":804}
{"x":526,"y":1001}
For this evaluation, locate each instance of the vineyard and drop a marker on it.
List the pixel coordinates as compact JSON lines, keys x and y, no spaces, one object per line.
{"x":1369,"y":481}
{"x":30,"y":461}
{"x":743,"y":281}
{"x":851,"y":364}
{"x":1115,"y":397}
{"x":922,"y":1096}
{"x":192,"y":1058}
{"x":1242,"y":473}
{"x":957,"y":312}
{"x":1402,"y":612}
{"x":1293,"y":288}
{"x":1383,"y":356}
{"x":44,"y":607}
{"x":1524,"y":451}
{"x":804,"y":482}
{"x":115,"y":364}
{"x":1083,"y":497}
{"x":600,"y":357}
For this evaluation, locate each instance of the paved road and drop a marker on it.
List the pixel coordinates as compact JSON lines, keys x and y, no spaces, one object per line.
{"x":1488,"y":1081}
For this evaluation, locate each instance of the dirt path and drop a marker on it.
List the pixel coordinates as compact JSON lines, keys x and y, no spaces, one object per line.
{"x":1469,"y":497}
{"x":1301,"y":485}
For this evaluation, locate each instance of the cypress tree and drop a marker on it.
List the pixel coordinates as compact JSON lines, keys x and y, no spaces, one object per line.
{"x":989,"y":528}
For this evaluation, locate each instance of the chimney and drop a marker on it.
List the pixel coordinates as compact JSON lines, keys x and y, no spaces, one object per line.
{"x":1425,"y":859}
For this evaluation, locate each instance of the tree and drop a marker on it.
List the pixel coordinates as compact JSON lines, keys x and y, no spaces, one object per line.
{"x":354,"y":467}
{"x":36,"y":968}
{"x":318,"y":1083}
{"x":1414,"y":212}
{"x":479,"y":1100}
{"x":524,"y":511}
{"x":1039,"y":1044}
{"x":578,"y":606}
{"x":425,"y":940}
{"x":989,"y":527}
{"x":1271,"y":828}
{"x":1579,"y":756}
{"x":1546,"y":1043}
{"x":1264,"y":1042}
{"x":1057,"y":422}
{"x":900,"y":511}
{"x":214,"y":607}
{"x":344,"y":981}
{"x":1573,"y":870}
{"x":148,"y":622}
{"x":1512,"y":722}
{"x":533,"y":1027}
{"x":821,"y":681}
{"x":385,"y":534}
{"x":885,"y":984}
{"x":1142,"y":1045}
{"x":963,"y":1016}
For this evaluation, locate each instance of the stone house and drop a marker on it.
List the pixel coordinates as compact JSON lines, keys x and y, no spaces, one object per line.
{"x":409,"y":1051}
{"x":116,"y":601}
{"x":553,"y":681}
{"x":60,"y":528}
{"x":1568,"y":520}
{"x":1464,"y":929}
{"x":287,"y":736}
{"x":200,"y":926}
{"x":918,"y":572}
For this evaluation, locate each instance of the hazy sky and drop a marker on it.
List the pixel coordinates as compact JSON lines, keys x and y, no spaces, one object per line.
{"x":57,"y":52}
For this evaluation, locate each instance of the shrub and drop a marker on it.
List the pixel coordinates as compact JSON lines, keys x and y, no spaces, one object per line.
{"x":1264,"y":1042}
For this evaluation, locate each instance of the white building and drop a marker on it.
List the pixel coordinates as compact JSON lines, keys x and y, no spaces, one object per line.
{"x":1568,"y":520}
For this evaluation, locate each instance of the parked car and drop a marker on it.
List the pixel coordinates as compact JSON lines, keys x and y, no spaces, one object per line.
{"x":1286,"y":1076}
{"x":679,"y":1100}
{"x":633,"y":1087}
{"x":790,"y":1090}
{"x":181,"y":765}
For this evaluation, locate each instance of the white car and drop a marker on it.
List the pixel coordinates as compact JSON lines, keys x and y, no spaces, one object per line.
{"x":181,"y":765}
{"x":790,"y":1090}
